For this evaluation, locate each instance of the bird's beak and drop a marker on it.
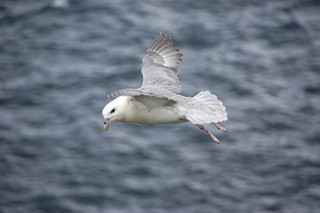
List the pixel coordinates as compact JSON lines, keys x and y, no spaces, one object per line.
{"x":107,"y":124}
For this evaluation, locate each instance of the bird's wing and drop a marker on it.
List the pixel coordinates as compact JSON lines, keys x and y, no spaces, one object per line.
{"x":151,"y":92}
{"x":149,"y":96}
{"x":159,"y":70}
{"x":160,"y":64}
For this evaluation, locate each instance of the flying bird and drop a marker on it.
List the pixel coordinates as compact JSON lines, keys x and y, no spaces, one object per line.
{"x":158,"y":101}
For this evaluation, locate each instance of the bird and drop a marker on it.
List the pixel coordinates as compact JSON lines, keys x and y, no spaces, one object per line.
{"x":158,"y":100}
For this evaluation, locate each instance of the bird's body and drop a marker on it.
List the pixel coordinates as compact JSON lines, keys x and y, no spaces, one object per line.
{"x":157,"y":101}
{"x":149,"y":111}
{"x":157,"y":112}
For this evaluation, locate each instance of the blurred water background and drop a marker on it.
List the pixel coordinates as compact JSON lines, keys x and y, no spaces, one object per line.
{"x":59,"y":59}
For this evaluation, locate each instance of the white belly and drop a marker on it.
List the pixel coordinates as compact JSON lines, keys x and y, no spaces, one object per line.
{"x":155,"y":115}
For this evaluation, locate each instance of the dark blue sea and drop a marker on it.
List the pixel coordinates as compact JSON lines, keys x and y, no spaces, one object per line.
{"x":59,"y":59}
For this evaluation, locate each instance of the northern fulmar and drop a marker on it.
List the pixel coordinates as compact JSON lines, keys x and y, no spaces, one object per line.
{"x":157,"y":100}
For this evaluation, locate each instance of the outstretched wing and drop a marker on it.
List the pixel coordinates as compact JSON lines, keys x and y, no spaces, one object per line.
{"x":160,"y":64}
{"x":151,"y":92}
{"x":159,"y":70}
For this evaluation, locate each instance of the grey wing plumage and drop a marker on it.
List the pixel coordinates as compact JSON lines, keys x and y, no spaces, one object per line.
{"x":160,"y":64}
{"x":159,"y":70}
{"x":152,"y":92}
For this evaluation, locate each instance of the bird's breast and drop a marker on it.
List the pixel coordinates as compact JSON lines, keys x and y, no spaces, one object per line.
{"x":155,"y":115}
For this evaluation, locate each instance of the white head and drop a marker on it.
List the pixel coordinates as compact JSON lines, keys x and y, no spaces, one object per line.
{"x":115,"y":111}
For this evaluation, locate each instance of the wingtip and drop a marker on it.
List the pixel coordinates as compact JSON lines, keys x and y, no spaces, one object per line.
{"x":113,"y":94}
{"x":164,"y":35}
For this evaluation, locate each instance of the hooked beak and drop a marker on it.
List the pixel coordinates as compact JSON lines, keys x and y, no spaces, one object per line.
{"x":107,"y":124}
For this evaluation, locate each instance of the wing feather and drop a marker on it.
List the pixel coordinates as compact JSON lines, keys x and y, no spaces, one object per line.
{"x":160,"y":64}
{"x":152,"y":92}
{"x":159,"y":70}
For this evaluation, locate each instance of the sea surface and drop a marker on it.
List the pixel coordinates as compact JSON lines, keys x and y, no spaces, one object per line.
{"x":59,"y":59}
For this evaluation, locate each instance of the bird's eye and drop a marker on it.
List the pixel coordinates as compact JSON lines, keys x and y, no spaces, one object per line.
{"x":112,"y":111}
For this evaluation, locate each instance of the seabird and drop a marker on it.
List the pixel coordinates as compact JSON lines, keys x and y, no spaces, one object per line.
{"x":158,"y":101}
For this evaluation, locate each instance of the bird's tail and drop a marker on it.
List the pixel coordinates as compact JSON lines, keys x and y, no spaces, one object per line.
{"x":206,"y":108}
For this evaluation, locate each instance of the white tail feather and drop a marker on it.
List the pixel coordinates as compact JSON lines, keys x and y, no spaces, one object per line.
{"x":206,"y":109}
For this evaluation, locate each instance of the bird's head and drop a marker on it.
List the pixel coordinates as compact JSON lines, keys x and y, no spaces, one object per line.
{"x":114,"y":111}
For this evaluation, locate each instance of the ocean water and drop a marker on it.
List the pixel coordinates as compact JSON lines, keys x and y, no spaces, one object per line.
{"x":59,"y":59}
